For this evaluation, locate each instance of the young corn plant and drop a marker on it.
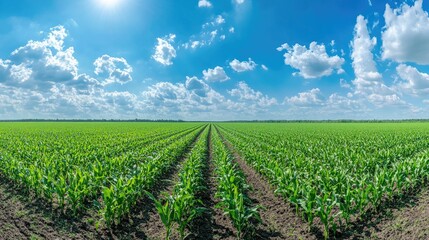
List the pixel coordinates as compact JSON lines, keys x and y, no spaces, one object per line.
{"x":182,"y":206}
{"x":231,"y":191}
{"x":165,"y":209}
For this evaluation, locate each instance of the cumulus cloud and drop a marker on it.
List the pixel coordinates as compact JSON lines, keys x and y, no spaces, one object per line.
{"x":313,"y":62}
{"x":380,"y":100}
{"x":48,"y":53}
{"x":41,"y":80}
{"x":369,"y":82}
{"x":367,"y":76}
{"x":239,"y":1}
{"x":197,"y":86}
{"x":116,"y":70}
{"x":164,"y":50}
{"x":415,"y":82}
{"x":340,"y":104}
{"x":306,"y":99}
{"x":192,"y":98}
{"x":20,"y":73}
{"x":204,"y":3}
{"x":38,"y":64}
{"x":245,"y":93}
{"x":406,"y":34}
{"x":242,"y":66}
{"x":216,"y":74}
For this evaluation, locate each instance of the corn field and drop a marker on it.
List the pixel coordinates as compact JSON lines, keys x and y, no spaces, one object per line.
{"x":330,"y":175}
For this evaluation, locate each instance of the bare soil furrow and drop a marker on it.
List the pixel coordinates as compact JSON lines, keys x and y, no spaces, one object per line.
{"x":279,"y":220}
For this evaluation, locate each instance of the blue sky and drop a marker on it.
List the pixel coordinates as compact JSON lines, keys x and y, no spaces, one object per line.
{"x":214,"y":60}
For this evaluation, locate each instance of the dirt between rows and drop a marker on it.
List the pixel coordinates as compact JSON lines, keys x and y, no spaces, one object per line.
{"x":279,"y":220}
{"x":213,"y":224}
{"x":22,"y":217}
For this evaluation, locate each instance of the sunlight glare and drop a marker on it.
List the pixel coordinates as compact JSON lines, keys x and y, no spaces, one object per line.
{"x":108,"y":3}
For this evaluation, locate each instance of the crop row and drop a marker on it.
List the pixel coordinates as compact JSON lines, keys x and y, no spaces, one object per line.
{"x":183,"y":205}
{"x":70,"y":176}
{"x":334,"y":176}
{"x":231,"y":190}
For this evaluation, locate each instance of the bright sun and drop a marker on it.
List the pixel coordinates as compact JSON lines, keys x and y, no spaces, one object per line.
{"x":108,"y":3}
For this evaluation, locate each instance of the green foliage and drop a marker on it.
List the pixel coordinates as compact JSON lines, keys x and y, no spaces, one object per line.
{"x":107,"y":164}
{"x":183,"y":206}
{"x":231,"y":190}
{"x":334,"y":171}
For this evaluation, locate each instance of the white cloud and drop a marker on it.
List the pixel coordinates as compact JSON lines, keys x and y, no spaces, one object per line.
{"x":306,"y":99}
{"x":219,"y":20}
{"x":42,"y":80}
{"x":406,"y":34}
{"x":265,"y":68}
{"x":116,"y":70}
{"x":416,"y":83}
{"x":164,"y":50}
{"x":192,"y":100}
{"x":369,"y":82}
{"x":381,"y":100}
{"x":367,"y":76}
{"x":40,"y":63}
{"x":210,"y":32}
{"x":245,"y":93}
{"x":242,"y":66}
{"x":20,"y":72}
{"x":197,"y":86}
{"x":239,"y":1}
{"x":344,"y":83}
{"x":231,"y":30}
{"x":313,"y":62}
{"x":339,"y":104}
{"x":284,"y":46}
{"x":216,"y":21}
{"x":4,"y":66}
{"x":216,"y":74}
{"x":204,"y":3}
{"x":213,"y":35}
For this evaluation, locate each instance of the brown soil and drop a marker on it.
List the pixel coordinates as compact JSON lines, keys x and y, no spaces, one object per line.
{"x":406,"y":218}
{"x":145,"y":222}
{"x":279,"y":220}
{"x":213,"y":224}
{"x":23,"y":217}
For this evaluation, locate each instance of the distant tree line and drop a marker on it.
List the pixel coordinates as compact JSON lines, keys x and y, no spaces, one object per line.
{"x":335,"y":121}
{"x":238,"y":121}
{"x":91,"y":120}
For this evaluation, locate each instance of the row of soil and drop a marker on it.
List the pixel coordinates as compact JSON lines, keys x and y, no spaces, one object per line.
{"x":24,"y":218}
{"x":279,"y":220}
{"x":402,"y":218}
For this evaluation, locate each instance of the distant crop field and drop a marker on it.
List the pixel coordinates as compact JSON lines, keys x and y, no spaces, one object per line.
{"x":209,"y":180}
